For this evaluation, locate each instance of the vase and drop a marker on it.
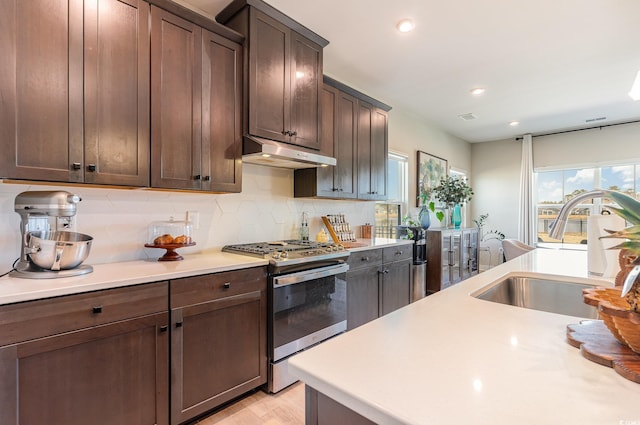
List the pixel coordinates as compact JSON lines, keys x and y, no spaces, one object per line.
{"x":424,"y":217}
{"x":446,"y":219}
{"x":456,"y":216}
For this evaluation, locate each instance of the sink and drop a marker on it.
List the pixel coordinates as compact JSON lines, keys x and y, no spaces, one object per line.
{"x":555,"y":296}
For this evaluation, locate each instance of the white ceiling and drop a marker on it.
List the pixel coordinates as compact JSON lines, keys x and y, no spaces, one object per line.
{"x":550,"y":64}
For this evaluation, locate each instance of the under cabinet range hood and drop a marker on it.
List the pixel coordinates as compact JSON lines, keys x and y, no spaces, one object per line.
{"x":256,"y":150}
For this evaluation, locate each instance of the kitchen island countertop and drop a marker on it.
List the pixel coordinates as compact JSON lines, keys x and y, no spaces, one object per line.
{"x":451,"y":358}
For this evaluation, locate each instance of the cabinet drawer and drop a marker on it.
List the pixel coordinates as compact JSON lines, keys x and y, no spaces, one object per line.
{"x":198,"y":289}
{"x":397,"y":253}
{"x":360,"y":259}
{"x":36,"y":319}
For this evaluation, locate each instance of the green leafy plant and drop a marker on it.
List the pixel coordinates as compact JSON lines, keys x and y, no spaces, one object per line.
{"x":407,"y":220}
{"x":630,"y":211}
{"x":453,"y":190}
{"x":491,"y":234}
{"x":425,"y":198}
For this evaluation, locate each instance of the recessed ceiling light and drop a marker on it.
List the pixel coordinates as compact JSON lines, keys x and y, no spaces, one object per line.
{"x":514,"y":123}
{"x":405,"y":25}
{"x":477,"y":91}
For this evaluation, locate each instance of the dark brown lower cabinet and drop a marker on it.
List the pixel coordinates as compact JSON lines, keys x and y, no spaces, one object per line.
{"x":218,"y":339}
{"x":108,"y":373}
{"x":323,"y":410}
{"x":378,"y":282}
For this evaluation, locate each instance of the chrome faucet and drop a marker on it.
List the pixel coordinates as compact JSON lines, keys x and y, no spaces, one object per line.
{"x":558,"y":226}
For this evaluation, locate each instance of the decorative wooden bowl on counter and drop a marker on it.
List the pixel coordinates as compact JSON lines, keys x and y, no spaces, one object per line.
{"x":171,"y":254}
{"x":616,"y":313}
{"x":613,"y":341}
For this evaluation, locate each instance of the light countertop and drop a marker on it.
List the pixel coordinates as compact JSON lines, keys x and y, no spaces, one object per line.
{"x":364,"y":244}
{"x":453,"y":359}
{"x":113,"y":275}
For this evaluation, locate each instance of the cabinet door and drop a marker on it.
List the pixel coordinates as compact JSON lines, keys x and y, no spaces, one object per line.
{"x":217,"y":352}
{"x":269,"y":77}
{"x":116,"y":87}
{"x":396,"y":286}
{"x":41,"y":89}
{"x":325,"y":175}
{"x":109,"y":374}
{"x":176,"y":102}
{"x":221,"y":114}
{"x":306,"y":83}
{"x":447,"y":260}
{"x":345,"y":173}
{"x":362,"y":296}
{"x":456,"y":264}
{"x":364,"y":146}
{"x":379,"y":153}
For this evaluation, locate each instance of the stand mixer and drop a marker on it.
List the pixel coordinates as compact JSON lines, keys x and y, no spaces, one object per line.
{"x":47,"y":217}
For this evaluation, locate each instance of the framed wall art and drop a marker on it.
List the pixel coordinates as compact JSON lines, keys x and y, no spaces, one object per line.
{"x":430,"y":169}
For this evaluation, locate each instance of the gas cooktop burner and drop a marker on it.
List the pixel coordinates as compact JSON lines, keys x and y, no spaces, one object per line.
{"x":290,"y":251}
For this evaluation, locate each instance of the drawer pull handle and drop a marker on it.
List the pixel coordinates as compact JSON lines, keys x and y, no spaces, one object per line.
{"x":97,"y":309}
{"x":227,"y":285}
{"x":178,"y":324}
{"x":399,"y":252}
{"x":364,"y":259}
{"x":164,"y":328}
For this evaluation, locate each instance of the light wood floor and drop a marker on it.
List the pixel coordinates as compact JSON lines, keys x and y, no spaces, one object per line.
{"x":260,"y":408}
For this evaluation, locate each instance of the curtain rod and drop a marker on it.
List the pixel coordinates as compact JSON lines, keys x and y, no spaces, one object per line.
{"x":600,"y":127}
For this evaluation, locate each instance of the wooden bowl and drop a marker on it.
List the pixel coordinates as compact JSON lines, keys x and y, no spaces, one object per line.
{"x":593,"y":296}
{"x":616,"y":313}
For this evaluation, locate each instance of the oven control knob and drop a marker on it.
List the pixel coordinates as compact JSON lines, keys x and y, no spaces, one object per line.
{"x":276,"y":255}
{"x":284,"y":254}
{"x":340,"y":247}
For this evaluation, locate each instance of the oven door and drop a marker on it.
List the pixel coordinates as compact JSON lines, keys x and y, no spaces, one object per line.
{"x":307,"y":307}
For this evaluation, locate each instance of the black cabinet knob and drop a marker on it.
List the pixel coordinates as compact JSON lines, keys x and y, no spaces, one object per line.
{"x":178,"y":324}
{"x":97,"y":309}
{"x":294,"y":133}
{"x":364,"y":259}
{"x":197,"y":177}
{"x":207,"y":178}
{"x":227,"y":285}
{"x":164,"y":328}
{"x":77,"y":166}
{"x":92,"y":167}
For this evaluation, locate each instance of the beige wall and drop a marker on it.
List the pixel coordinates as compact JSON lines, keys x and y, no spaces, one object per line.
{"x":496,"y":166}
{"x":408,"y":134}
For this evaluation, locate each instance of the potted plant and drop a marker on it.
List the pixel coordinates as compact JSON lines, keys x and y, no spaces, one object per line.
{"x":630,"y":211}
{"x":453,"y":192}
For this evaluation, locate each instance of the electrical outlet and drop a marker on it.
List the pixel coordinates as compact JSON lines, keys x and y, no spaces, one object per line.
{"x":194,"y":218}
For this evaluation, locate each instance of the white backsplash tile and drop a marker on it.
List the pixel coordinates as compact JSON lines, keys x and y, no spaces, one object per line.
{"x":118,"y":219}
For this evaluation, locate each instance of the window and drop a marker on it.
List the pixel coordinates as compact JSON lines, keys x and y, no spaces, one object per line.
{"x":555,"y":188}
{"x":389,"y":213}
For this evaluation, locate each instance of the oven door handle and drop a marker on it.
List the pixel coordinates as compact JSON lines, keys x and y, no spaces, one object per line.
{"x":303,"y":276}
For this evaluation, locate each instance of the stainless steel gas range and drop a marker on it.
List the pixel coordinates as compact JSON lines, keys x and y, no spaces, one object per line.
{"x":307,"y":298}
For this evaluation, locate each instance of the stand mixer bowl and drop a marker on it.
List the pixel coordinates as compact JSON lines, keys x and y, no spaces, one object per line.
{"x":57,"y":250}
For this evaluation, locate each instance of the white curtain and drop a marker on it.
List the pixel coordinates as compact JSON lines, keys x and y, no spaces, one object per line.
{"x":526,"y":213}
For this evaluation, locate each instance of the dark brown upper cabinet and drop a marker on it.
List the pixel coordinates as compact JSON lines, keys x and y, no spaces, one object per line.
{"x":338,"y":132}
{"x":354,"y":130}
{"x":74,"y":80}
{"x":372,"y":152}
{"x":196,"y":105}
{"x":283,"y":74}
